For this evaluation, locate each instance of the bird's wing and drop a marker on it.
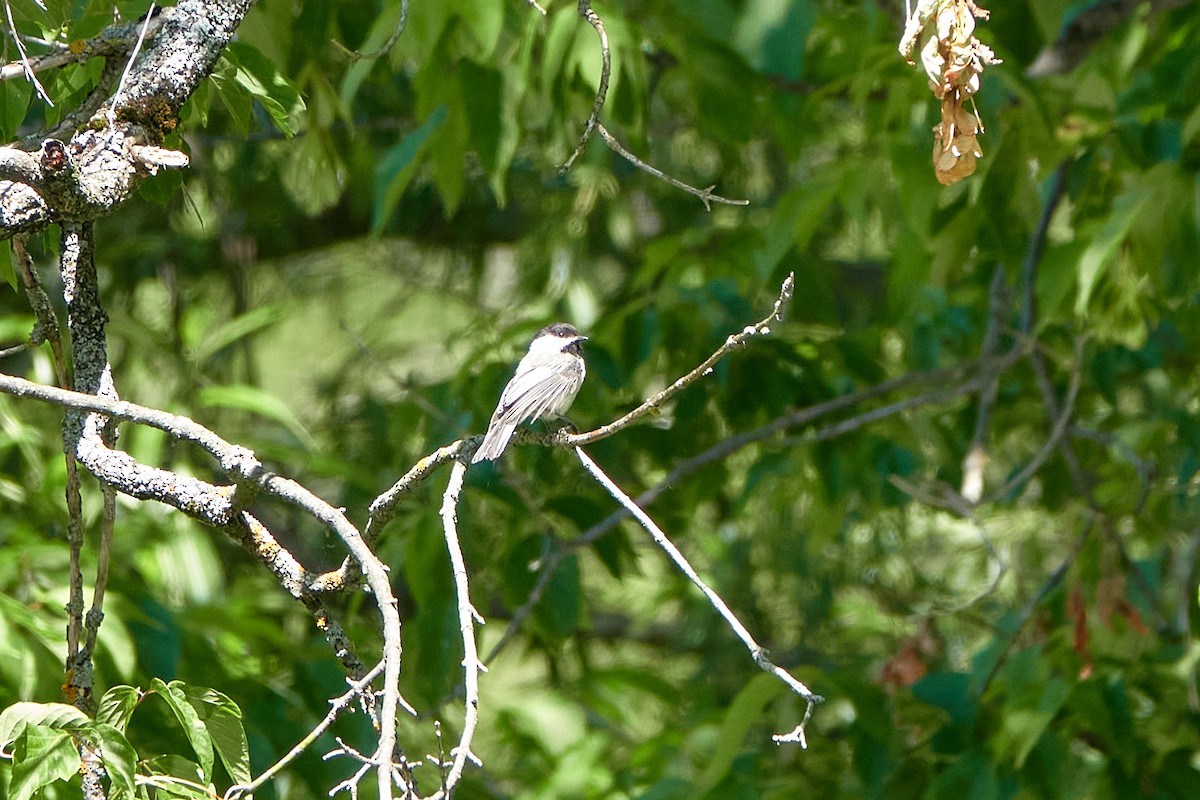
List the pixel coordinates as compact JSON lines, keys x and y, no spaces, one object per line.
{"x":536,"y":390}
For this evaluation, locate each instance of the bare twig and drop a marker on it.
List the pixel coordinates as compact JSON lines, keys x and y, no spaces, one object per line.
{"x":757,"y":651}
{"x":760,"y":328}
{"x":537,"y":7}
{"x":85,"y":321}
{"x":137,"y":48}
{"x":731,"y":445}
{"x":976,"y":458}
{"x":336,"y":707}
{"x":706,"y":195}
{"x":467,"y":618}
{"x":1061,"y":423}
{"x":383,"y":509}
{"x":593,"y":120}
{"x":26,"y":67}
{"x":95,"y":614}
{"x":1037,"y":245}
{"x":1027,"y":612}
{"x":47,"y":329}
{"x":109,"y":42}
{"x":355,"y":55}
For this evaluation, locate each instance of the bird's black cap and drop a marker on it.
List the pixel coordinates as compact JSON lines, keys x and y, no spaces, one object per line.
{"x":563,"y":330}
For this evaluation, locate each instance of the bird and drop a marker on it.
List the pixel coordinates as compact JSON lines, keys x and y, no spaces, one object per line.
{"x":545,"y":384}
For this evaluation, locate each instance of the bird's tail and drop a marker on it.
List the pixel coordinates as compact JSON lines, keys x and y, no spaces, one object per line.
{"x":493,"y":443}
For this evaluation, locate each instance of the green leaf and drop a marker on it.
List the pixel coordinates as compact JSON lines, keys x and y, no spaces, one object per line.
{"x":160,"y":188}
{"x":223,"y":719}
{"x":15,"y":96}
{"x":1099,"y":255}
{"x":396,"y":168}
{"x":482,"y":92}
{"x":53,"y":716}
{"x":117,"y":706}
{"x":485,"y":21}
{"x":10,"y":276}
{"x":257,"y":401}
{"x":176,"y":766}
{"x":120,"y":759}
{"x":746,"y":710}
{"x":189,"y":721}
{"x":313,"y":173}
{"x":1023,"y":726}
{"x":41,"y":756}
{"x":234,"y":97}
{"x":263,"y":81}
{"x":256,"y":319}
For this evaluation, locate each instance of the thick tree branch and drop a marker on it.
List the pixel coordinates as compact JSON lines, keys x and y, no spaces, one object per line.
{"x":99,"y":168}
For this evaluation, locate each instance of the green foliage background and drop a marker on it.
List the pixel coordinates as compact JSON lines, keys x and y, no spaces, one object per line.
{"x":361,"y":250}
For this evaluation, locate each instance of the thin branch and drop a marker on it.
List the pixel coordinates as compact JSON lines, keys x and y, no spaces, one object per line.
{"x":336,"y":707}
{"x":593,"y":120}
{"x":976,"y":458}
{"x":760,"y":328}
{"x":383,"y":509}
{"x":1061,"y":423}
{"x":95,"y":614}
{"x":467,"y":618}
{"x":1037,"y":245}
{"x":706,"y":195}
{"x":48,"y":329}
{"x":537,"y":7}
{"x":355,"y":55}
{"x":85,"y":321}
{"x":137,"y":48}
{"x":109,"y":42}
{"x":1053,"y":580}
{"x":26,"y":67}
{"x":757,"y":652}
{"x":728,"y":447}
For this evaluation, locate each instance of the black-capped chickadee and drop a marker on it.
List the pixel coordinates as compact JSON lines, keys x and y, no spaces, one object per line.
{"x":545,"y":384}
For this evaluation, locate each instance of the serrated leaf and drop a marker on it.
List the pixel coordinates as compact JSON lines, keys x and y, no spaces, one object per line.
{"x":41,"y":756}
{"x":54,"y":716}
{"x":189,"y":721}
{"x":263,"y":81}
{"x":260,"y":402}
{"x":234,"y":97}
{"x":120,"y":759}
{"x":176,"y":766}
{"x":117,"y":706}
{"x":223,"y":719}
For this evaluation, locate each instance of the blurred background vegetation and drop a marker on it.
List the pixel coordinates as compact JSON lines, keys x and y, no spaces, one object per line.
{"x":361,"y":249}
